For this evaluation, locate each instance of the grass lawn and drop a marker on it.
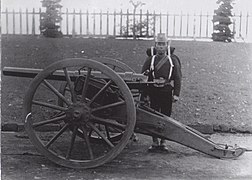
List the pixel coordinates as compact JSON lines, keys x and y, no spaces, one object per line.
{"x":216,"y":84}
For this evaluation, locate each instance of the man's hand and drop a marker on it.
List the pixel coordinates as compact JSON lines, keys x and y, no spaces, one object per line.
{"x":145,"y":100}
{"x":175,"y":98}
{"x":146,"y":72}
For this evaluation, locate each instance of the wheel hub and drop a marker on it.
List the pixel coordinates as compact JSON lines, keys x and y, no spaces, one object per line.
{"x":78,"y":113}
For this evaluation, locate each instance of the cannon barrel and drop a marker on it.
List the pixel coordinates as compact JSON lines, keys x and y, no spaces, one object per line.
{"x":59,"y":74}
{"x":133,"y":80}
{"x":21,"y":72}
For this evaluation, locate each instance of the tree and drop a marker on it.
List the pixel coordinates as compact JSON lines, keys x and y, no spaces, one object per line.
{"x":222,"y":20}
{"x":50,"y":19}
{"x":136,"y":27}
{"x":135,"y":5}
{"x":139,"y":29}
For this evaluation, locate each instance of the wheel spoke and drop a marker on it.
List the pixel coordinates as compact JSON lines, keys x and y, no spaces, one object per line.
{"x":90,"y":133}
{"x":56,"y":92}
{"x":100,"y":92}
{"x":107,"y":131}
{"x":85,"y":136}
{"x":108,"y":106}
{"x":101,"y":134}
{"x":85,"y":86}
{"x":57,"y":135}
{"x":108,"y":122}
{"x":49,"y":105}
{"x":72,"y":142}
{"x":67,"y":89}
{"x":53,"y":120}
{"x":70,"y":85}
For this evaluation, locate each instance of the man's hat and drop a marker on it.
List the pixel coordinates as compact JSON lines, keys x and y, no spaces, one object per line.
{"x":161,"y":37}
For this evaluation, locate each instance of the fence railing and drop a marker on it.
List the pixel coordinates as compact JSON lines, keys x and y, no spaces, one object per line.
{"x":120,"y":24}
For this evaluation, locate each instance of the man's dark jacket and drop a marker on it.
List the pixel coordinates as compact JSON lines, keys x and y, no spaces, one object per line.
{"x":164,"y":71}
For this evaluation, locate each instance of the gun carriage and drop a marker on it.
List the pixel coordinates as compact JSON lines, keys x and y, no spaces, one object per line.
{"x":96,"y":106}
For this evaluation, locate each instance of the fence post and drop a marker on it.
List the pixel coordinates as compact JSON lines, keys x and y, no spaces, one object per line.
{"x":60,"y":16}
{"x":13,"y":13}
{"x":240,"y":25}
{"x":94,"y":23}
{"x":154,"y":24}
{"x":181,"y":23}
{"x":114,"y":23}
{"x":134,"y":23}
{"x":187,"y":25}
{"x":127,"y":26}
{"x":107,"y":23}
{"x":141,"y":23}
{"x":80,"y":22}
{"x":101,"y":22}
{"x":121,"y":23}
{"x":247,"y":18}
{"x":27,"y":23}
{"x":67,"y":22}
{"x":160,"y":21}
{"x":200,"y":23}
{"x":33,"y":21}
{"x":40,"y":20}
{"x":20,"y":20}
{"x":207,"y":16}
{"x":174,"y":24}
{"x":7,"y":21}
{"x":234,"y":28}
{"x":194,"y":26}
{"x":87,"y":23}
{"x":73,"y":25}
{"x":147,"y":28}
{"x":212,"y":27}
{"x":167,"y":23}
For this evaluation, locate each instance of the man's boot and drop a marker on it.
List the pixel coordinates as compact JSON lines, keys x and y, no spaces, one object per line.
{"x":154,"y":145}
{"x":163,"y":146}
{"x":134,"y":137}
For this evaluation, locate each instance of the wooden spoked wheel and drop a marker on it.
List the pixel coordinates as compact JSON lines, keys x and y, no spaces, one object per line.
{"x":115,"y":65}
{"x":102,"y":105}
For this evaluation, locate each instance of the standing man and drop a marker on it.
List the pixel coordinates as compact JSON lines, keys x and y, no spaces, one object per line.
{"x":163,"y":67}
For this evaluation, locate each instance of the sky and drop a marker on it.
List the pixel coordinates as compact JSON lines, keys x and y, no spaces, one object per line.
{"x":157,"y":5}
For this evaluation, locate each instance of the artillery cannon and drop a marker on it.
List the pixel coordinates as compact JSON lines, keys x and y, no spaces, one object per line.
{"x":96,"y":108}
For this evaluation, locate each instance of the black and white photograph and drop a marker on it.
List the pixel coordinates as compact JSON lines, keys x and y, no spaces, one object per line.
{"x":126,"y":89}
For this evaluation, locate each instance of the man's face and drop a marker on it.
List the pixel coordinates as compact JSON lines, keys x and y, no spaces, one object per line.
{"x":161,"y":47}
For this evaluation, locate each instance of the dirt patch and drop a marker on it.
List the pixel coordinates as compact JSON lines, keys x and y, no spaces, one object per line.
{"x":217,"y":77}
{"x":21,"y":161}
